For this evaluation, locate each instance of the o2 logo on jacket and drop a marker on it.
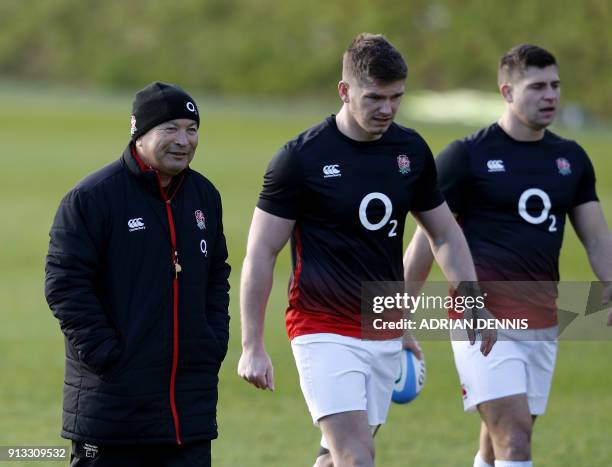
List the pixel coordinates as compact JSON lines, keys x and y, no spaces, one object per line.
{"x":200,"y":220}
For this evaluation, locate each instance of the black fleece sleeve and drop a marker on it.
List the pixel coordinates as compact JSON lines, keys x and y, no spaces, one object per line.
{"x":72,"y":265}
{"x":217,"y":303}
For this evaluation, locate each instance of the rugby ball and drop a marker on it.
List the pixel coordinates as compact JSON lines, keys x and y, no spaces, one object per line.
{"x":410,"y":379}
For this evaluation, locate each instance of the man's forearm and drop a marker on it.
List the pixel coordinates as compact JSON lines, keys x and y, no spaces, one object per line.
{"x":418,"y":259}
{"x":599,"y":252}
{"x":453,"y":255}
{"x":256,"y":283}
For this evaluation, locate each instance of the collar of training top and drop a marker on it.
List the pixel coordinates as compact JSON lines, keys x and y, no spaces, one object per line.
{"x":147,"y":174}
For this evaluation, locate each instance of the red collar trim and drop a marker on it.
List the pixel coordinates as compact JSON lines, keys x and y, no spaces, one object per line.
{"x":175,"y":182}
{"x":141,"y":164}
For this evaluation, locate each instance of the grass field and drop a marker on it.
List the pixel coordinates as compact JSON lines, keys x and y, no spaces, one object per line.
{"x":52,"y":138}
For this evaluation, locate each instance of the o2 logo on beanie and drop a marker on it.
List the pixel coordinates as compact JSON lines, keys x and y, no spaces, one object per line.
{"x":133,"y":125}
{"x":191,"y":107}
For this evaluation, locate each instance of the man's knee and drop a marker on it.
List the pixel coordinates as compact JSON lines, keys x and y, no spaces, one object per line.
{"x":358,"y":453}
{"x":346,"y":456}
{"x":354,"y":453}
{"x":349,"y":437}
{"x":354,"y":459}
{"x":514,"y":443}
{"x":509,"y":424}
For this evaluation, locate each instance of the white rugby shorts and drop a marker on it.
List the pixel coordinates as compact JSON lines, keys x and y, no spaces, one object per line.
{"x":342,"y":374}
{"x":514,"y":366}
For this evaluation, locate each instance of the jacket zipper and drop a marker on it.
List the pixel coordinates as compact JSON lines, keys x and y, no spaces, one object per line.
{"x":175,"y":293}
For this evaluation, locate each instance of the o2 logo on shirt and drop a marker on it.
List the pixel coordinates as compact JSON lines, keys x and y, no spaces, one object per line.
{"x":386,"y":220}
{"x":544,"y":215}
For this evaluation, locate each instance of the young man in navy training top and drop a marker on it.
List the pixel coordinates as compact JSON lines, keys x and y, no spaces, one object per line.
{"x":341,"y":191}
{"x":511,"y":186}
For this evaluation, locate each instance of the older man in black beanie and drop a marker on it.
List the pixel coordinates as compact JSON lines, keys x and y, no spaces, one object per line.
{"x":137,"y":276}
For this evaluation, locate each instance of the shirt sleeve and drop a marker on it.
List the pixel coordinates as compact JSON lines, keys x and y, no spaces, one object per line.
{"x":585,"y":191}
{"x":428,"y":194}
{"x":282,"y":186}
{"x":453,"y":175}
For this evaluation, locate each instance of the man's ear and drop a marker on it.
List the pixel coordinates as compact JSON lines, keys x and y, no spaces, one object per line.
{"x":506,"y":91}
{"x":343,"y":91}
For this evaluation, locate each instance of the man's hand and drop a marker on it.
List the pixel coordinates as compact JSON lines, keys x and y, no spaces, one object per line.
{"x":255,"y":366}
{"x":488,"y":337}
{"x":409,"y":342}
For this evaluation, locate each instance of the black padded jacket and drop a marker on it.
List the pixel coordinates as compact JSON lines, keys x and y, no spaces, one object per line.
{"x":138,"y":279}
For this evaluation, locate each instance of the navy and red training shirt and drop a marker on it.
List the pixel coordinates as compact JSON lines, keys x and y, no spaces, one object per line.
{"x":511,"y":199}
{"x":349,"y":200}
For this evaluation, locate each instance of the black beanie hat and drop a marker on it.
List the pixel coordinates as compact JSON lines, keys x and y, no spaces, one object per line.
{"x":157,"y":103}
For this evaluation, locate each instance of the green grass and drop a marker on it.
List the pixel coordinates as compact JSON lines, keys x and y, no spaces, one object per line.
{"x":52,"y":138}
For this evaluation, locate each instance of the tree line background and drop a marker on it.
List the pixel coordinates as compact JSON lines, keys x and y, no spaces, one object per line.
{"x":293,"y":48}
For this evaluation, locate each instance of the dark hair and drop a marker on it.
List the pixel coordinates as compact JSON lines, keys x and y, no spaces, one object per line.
{"x":371,"y":57}
{"x":521,"y":57}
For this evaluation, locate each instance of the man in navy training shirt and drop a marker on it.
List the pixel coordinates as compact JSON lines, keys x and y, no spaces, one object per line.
{"x":341,"y":191}
{"x":511,"y":186}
